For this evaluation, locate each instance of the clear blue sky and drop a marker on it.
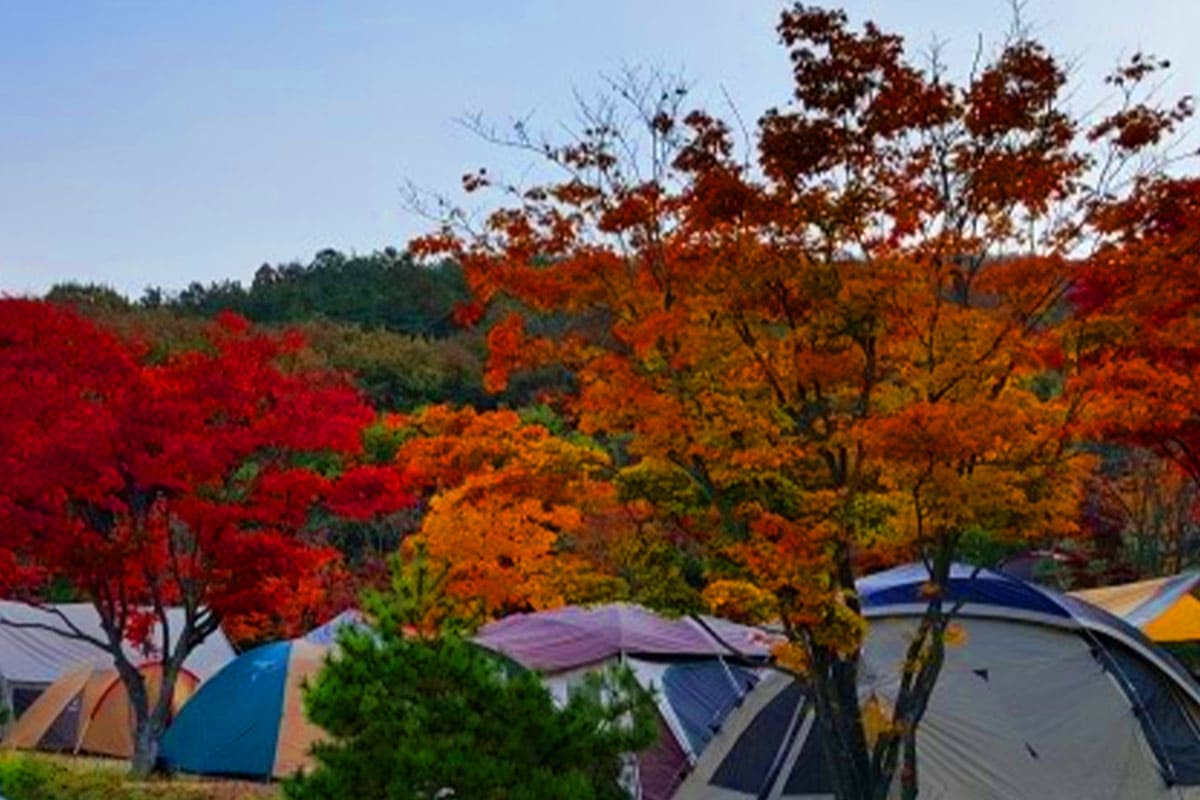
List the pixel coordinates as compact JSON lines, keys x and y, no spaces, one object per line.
{"x":164,"y":141}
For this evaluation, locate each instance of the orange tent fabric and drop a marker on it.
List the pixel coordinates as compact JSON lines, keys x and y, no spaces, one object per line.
{"x":88,"y":710}
{"x":296,"y":734}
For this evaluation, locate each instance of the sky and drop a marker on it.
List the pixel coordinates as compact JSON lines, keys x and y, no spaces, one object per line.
{"x":161,"y":142}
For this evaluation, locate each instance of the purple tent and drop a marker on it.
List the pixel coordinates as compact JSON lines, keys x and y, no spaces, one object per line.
{"x":700,"y":668}
{"x":571,"y":637}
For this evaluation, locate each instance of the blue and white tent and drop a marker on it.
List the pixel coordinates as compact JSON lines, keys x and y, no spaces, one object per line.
{"x":1047,"y":698}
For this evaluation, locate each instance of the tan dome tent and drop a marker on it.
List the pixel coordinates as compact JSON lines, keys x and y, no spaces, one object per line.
{"x":88,"y":710}
{"x":1044,"y":698}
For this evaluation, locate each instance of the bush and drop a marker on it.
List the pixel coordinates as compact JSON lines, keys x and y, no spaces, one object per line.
{"x":418,"y":717}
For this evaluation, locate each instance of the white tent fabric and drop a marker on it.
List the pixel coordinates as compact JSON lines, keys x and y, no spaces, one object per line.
{"x":36,"y":657}
{"x":1044,"y":720}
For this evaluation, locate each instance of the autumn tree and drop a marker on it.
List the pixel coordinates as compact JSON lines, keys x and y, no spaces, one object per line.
{"x":843,"y":341}
{"x":186,"y":482}
{"x":1141,"y":515}
{"x":1134,"y":341}
{"x":526,"y":519}
{"x":1130,"y":345}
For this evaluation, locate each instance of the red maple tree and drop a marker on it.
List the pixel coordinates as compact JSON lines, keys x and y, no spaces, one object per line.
{"x":147,"y":485}
{"x":1136,"y":339}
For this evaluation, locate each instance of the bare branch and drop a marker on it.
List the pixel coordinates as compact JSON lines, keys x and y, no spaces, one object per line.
{"x":72,"y":632}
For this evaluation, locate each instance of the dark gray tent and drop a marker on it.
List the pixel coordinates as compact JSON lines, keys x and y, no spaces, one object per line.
{"x":1047,"y":698}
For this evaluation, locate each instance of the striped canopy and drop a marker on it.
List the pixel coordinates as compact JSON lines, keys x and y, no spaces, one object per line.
{"x":1165,"y":609}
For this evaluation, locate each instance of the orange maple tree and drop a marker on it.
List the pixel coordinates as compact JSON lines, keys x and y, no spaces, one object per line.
{"x":506,"y":500}
{"x":845,"y":345}
{"x":524,"y":519}
{"x":1134,"y":341}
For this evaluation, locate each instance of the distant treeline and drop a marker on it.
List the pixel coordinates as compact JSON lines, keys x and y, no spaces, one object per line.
{"x":382,"y":317}
{"x":381,"y":290}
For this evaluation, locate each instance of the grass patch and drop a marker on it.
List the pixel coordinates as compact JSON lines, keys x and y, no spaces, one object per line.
{"x":28,"y":776}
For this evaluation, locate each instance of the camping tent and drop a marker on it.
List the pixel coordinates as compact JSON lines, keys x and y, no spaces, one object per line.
{"x":1043,"y":566}
{"x":326,"y":633}
{"x":87,"y":710}
{"x":248,"y":719}
{"x":32,"y":658}
{"x":701,"y":669}
{"x":1046,"y":697}
{"x":1165,"y":609}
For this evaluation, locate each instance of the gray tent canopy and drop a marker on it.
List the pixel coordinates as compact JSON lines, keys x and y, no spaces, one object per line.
{"x":32,"y":658}
{"x":1047,"y":697}
{"x":326,"y":634}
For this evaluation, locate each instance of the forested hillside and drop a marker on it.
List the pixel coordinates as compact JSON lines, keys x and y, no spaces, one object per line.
{"x":386,"y":320}
{"x":382,"y":290}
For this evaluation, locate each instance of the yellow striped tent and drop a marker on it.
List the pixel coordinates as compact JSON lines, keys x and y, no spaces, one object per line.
{"x":1165,"y":609}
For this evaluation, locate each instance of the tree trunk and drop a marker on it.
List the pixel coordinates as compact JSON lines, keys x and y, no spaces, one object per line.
{"x":909,"y":783}
{"x":145,"y":749}
{"x":150,"y":719}
{"x":859,"y":769}
{"x":845,"y":752}
{"x":150,"y":722}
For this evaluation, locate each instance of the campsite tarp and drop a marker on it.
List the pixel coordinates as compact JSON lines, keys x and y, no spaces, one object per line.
{"x":248,"y":719}
{"x":1165,"y":609}
{"x":87,"y":710}
{"x":32,"y":658}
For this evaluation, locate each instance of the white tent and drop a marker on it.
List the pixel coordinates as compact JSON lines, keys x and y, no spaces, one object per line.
{"x":1047,"y":698}
{"x":32,"y":658}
